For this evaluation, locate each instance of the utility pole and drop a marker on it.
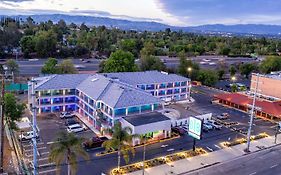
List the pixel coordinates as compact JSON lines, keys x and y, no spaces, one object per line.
{"x":252,"y":115}
{"x":2,"y":124}
{"x":34,"y":128}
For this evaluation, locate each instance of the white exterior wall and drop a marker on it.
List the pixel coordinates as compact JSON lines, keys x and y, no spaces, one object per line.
{"x":152,"y":127}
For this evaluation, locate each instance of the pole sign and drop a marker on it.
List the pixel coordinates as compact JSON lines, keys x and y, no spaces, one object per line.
{"x":195,"y":127}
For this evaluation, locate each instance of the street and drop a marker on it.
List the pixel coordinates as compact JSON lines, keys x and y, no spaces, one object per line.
{"x":264,"y":162}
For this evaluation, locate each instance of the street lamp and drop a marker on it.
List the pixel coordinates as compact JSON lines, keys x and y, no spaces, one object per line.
{"x":233,"y":78}
{"x":252,"y":115}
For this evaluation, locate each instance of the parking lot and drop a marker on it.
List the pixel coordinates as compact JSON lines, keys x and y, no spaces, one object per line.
{"x":49,"y":126}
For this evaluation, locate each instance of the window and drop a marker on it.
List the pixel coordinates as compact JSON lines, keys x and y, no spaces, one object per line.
{"x":170,"y":85}
{"x":170,"y":91}
{"x":183,"y":90}
{"x":176,"y":91}
{"x":161,"y":92}
{"x":184,"y":83}
{"x":163,"y":85}
{"x":141,"y":86}
{"x":150,"y":87}
{"x":177,"y":84}
{"x":152,"y":93}
{"x":120,"y":112}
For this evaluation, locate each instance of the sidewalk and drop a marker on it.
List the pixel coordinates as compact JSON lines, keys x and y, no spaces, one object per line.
{"x":194,"y":163}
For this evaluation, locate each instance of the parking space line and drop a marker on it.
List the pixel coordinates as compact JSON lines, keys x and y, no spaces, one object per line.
{"x":273,"y":166}
{"x":41,"y":159}
{"x":210,"y":149}
{"x":47,"y":171}
{"x":217,"y":146}
{"x":37,"y":149}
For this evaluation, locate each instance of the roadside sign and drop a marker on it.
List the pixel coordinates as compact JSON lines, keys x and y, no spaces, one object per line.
{"x":195,"y":127}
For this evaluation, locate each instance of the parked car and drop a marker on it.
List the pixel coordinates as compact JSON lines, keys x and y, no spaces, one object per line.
{"x":179,"y":131}
{"x":69,"y":122}
{"x":95,"y":142}
{"x":223,"y":116}
{"x":74,"y":128}
{"x":27,"y":136}
{"x":205,"y":129}
{"x":215,"y":124}
{"x":65,"y":115}
{"x":208,"y":126}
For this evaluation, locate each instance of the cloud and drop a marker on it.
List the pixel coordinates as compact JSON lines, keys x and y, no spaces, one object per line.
{"x":14,"y":0}
{"x":194,"y":12}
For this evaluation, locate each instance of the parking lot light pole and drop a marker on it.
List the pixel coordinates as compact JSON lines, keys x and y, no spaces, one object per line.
{"x":252,"y":115}
{"x":34,"y":128}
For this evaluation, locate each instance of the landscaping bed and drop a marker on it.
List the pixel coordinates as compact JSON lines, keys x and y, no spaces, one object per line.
{"x":173,"y":136}
{"x":158,"y":161}
{"x":243,"y":140}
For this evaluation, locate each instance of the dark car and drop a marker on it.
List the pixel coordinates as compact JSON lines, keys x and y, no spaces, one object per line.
{"x":95,"y":142}
{"x":179,"y":131}
{"x":69,"y":122}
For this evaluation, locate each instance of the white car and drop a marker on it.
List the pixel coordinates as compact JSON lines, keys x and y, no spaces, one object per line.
{"x":215,"y":124}
{"x":74,"y":128}
{"x":27,"y":136}
{"x":66,"y":115}
{"x":208,"y":126}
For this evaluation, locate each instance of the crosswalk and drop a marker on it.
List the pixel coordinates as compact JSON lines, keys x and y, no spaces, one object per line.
{"x":44,"y":166}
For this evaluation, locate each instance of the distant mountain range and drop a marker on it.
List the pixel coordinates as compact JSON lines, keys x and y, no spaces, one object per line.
{"x":258,"y":29}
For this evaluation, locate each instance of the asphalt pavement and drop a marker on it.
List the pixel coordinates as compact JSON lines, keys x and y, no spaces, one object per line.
{"x":264,"y":162}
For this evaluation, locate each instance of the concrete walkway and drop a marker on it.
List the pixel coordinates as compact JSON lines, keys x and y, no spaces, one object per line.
{"x":198,"y":162}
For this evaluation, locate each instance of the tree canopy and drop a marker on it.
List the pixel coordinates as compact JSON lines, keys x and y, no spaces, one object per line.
{"x":120,"y":61}
{"x":271,"y":64}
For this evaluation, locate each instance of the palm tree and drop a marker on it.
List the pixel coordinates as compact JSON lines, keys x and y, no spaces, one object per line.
{"x":67,"y":146}
{"x":143,"y":140}
{"x":121,"y":140}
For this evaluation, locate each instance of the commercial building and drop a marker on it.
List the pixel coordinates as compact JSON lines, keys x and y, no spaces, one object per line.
{"x":263,"y":108}
{"x":103,"y":99}
{"x":268,"y":102}
{"x":269,"y":85}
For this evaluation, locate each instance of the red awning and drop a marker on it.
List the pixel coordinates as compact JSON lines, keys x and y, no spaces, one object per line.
{"x":272,"y":108}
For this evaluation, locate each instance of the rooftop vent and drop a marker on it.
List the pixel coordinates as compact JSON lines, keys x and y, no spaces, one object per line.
{"x":166,"y":73}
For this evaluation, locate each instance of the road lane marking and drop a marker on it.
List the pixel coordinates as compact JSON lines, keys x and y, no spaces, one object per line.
{"x":253,"y":173}
{"x":274,"y":166}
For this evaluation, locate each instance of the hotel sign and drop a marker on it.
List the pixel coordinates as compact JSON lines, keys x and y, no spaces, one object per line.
{"x":195,"y":127}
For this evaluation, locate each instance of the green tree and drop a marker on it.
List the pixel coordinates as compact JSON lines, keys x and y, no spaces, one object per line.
{"x":66,"y":67}
{"x":121,"y":140}
{"x":207,"y":77}
{"x":183,"y":66}
{"x":151,"y":63}
{"x":12,"y":66}
{"x":221,"y":73}
{"x":148,"y":49}
{"x":45,"y":43}
{"x":13,"y":110}
{"x":120,"y":61}
{"x":27,"y":45}
{"x":234,"y":88}
{"x":50,"y":66}
{"x":270,"y":64}
{"x":246,"y":69}
{"x":232,"y":71}
{"x":67,"y":147}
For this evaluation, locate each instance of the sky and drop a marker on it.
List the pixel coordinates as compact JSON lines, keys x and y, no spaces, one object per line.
{"x":172,"y":12}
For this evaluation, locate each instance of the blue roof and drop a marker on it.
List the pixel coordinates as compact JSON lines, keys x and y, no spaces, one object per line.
{"x":147,"y":77}
{"x":65,"y":81}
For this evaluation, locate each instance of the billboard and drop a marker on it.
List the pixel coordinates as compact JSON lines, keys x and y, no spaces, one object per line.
{"x":195,"y":127}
